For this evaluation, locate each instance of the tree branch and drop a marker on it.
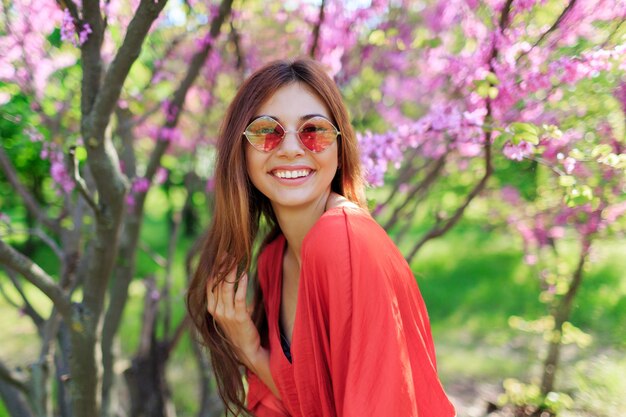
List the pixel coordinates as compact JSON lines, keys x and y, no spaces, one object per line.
{"x":316,"y":31}
{"x":27,"y":308}
{"x":442,"y":226}
{"x":556,"y":23}
{"x":48,"y":241}
{"x":36,"y":276}
{"x":14,"y":377}
{"x":14,"y":401}
{"x":613,"y":32}
{"x":415,"y":189}
{"x":128,"y":53}
{"x":91,"y":57}
{"x":552,"y":28}
{"x":80,"y":182}
{"x":71,"y":7}
{"x":167,"y":285}
{"x":178,"y":334}
{"x":29,"y":200}
{"x":197,"y":62}
{"x":236,"y":39}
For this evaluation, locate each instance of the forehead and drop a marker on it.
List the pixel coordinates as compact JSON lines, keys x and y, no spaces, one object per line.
{"x":289,"y":103}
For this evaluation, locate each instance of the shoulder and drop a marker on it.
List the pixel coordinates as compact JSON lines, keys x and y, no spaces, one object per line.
{"x":343,"y":229}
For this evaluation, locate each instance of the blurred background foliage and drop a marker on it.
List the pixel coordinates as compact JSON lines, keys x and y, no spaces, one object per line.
{"x":488,"y":304}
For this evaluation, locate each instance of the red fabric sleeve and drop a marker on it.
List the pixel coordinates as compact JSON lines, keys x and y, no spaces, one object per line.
{"x":261,"y":401}
{"x":368,"y":329}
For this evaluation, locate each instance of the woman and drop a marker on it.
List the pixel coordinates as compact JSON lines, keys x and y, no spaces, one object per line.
{"x":339,"y":327}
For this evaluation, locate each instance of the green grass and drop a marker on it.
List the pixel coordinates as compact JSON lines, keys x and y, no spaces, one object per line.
{"x":473,"y":281}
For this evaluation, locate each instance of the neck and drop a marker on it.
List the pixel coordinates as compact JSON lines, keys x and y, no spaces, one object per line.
{"x":295,"y":223}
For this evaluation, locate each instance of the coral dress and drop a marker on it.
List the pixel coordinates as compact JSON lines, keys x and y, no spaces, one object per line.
{"x":361,"y":342}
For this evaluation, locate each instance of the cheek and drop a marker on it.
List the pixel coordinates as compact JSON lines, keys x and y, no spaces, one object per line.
{"x":332,"y":159}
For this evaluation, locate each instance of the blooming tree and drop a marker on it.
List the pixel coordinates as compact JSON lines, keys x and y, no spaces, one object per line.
{"x":122,"y":98}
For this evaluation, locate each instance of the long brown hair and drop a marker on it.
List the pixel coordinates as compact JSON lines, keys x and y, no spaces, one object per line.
{"x":239,"y":206}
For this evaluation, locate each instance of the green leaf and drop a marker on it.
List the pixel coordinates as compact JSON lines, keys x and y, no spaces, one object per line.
{"x":586,"y":192}
{"x":377,"y":38}
{"x":81,"y":153}
{"x":526,"y":137}
{"x":482,"y":89}
{"x":67,"y":223}
{"x":169,"y":162}
{"x":55,"y":38}
{"x":611,"y":160}
{"x":518,"y":127}
{"x":503,"y":137}
{"x":601,"y":150}
{"x":492,"y":78}
{"x":433,"y":43}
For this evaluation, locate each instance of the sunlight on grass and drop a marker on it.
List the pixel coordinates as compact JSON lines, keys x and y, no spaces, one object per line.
{"x":20,"y":343}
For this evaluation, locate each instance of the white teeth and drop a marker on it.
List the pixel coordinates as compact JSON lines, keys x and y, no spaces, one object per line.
{"x":292,"y":174}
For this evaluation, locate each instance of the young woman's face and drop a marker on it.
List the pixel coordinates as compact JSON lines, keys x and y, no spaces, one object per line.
{"x":290,"y":175}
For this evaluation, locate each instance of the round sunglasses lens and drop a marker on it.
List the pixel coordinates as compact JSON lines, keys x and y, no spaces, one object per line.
{"x":264,"y":134}
{"x":317,"y":134}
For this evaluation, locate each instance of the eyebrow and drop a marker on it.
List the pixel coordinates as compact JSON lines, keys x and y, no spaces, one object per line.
{"x":301,"y":119}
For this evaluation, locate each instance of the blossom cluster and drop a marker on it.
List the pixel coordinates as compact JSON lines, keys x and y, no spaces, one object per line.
{"x":58,"y":167}
{"x":69,"y":32}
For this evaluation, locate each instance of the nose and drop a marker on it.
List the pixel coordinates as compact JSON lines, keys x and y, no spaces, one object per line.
{"x":290,"y":146}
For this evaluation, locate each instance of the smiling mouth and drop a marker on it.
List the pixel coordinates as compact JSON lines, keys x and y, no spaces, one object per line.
{"x":291,"y":174}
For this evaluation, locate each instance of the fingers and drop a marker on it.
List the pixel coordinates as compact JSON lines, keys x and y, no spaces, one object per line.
{"x":227,"y":295}
{"x":223,"y":301}
{"x":240,"y":295}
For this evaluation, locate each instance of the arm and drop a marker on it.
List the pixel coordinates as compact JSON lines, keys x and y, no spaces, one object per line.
{"x":259,"y":364}
{"x":228,"y":308}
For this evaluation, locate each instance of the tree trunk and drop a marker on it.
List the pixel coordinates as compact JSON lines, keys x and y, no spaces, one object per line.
{"x":147,"y":384}
{"x":14,"y":401}
{"x":561,"y":315}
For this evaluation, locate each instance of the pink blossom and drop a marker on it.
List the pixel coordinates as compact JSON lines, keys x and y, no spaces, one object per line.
{"x":210,"y":185}
{"x":476,"y":117}
{"x":4,"y":218}
{"x":569,"y":164}
{"x":171,"y":111}
{"x":33,"y":134}
{"x":84,"y":34}
{"x":530,"y":259}
{"x":510,"y":195}
{"x":556,"y":232}
{"x":68,"y":30}
{"x":518,"y":152}
{"x":60,"y":175}
{"x":140,"y":185}
{"x":205,"y":41}
{"x":160,"y":176}
{"x":614,"y":212}
{"x":169,"y":134}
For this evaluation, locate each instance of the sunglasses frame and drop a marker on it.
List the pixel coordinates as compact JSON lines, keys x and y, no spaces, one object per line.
{"x":285,"y":131}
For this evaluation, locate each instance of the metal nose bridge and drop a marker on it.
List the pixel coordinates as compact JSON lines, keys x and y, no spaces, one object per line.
{"x":297,"y":137}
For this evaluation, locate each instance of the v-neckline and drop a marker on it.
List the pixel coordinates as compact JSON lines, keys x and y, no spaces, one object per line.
{"x":279,"y":289}
{"x":279,"y":286}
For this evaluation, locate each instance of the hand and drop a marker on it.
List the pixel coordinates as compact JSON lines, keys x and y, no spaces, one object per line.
{"x":228,"y":308}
